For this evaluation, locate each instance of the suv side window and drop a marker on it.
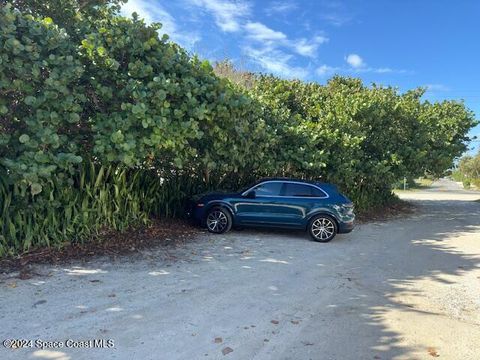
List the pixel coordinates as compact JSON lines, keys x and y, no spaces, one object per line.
{"x":268,"y":189}
{"x":302,"y":190}
{"x":317,"y":192}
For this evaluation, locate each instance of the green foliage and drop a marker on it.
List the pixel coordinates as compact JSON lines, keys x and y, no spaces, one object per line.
{"x":468,"y":171}
{"x":104,"y":124}
{"x":40,"y":100}
{"x":71,"y":15}
{"x":447,"y":125}
{"x":364,"y":139}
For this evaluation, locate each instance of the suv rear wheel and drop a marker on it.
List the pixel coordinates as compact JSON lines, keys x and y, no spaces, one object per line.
{"x":219,"y":220}
{"x":322,"y":228}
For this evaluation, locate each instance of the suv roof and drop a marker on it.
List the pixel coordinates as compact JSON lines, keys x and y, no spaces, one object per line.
{"x":289,"y":179}
{"x":329,"y":188}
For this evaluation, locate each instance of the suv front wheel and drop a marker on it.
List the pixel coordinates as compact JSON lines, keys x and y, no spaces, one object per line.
{"x":219,"y":220}
{"x":322,"y":228}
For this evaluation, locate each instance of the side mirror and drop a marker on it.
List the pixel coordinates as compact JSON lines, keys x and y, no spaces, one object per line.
{"x":251,"y":194}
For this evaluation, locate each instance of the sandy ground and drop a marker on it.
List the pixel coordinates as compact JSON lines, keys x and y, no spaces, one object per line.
{"x":403,"y":289}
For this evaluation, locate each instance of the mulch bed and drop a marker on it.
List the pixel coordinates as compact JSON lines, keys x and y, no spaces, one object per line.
{"x":165,"y":232}
{"x":398,"y":209}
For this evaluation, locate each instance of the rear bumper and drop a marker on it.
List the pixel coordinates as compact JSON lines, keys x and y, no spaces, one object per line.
{"x":194,"y":213}
{"x":198,"y":215}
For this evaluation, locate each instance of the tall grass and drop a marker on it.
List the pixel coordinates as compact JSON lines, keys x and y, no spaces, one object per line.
{"x":97,"y":198}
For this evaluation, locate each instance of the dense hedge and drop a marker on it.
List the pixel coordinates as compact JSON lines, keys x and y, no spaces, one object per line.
{"x":366,"y":138}
{"x":104,"y":124}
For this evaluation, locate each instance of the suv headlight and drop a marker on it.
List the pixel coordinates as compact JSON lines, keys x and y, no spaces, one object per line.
{"x":346,"y":209}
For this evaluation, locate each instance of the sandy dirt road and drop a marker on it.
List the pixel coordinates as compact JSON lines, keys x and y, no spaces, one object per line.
{"x":403,"y":289}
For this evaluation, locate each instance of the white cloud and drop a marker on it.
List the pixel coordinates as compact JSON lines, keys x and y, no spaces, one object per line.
{"x":227,"y":14}
{"x":355,"y":61}
{"x":356,"y":66}
{"x":259,"y":32}
{"x":384,"y":70}
{"x":273,"y":50}
{"x":270,"y":49}
{"x":325,"y":70}
{"x":335,"y":13}
{"x":275,"y":61}
{"x":308,"y":48}
{"x":280,"y":7}
{"x":152,"y":12}
{"x":437,"y":87}
{"x":149,"y":13}
{"x":337,"y":19}
{"x":433,"y":91}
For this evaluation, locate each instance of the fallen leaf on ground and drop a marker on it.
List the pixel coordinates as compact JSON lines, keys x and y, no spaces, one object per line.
{"x":40,"y":302}
{"x":432,"y":352}
{"x":227,"y":350}
{"x":109,"y":243}
{"x":24,"y":275}
{"x":274,"y":322}
{"x":218,"y":340}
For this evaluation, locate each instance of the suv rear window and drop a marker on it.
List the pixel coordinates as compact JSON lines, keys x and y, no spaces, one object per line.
{"x":293,"y":189}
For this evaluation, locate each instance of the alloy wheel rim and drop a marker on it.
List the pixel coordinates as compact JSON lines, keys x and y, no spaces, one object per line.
{"x":216,"y":221}
{"x":323,"y":228}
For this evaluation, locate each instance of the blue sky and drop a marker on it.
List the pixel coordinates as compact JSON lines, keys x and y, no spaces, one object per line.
{"x":411,"y":43}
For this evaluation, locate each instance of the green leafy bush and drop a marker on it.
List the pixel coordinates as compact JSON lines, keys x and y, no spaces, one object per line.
{"x":468,"y":171}
{"x":41,"y":102}
{"x":104,"y":123}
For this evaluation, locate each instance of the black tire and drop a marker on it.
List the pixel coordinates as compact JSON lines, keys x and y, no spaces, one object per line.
{"x":218,"y":220}
{"x":322,"y":228}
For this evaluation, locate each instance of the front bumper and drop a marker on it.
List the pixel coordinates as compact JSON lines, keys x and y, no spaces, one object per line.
{"x":346,"y":227}
{"x":346,"y":221}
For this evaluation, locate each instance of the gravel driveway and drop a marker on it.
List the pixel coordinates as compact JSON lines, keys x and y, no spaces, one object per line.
{"x":403,"y":289}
